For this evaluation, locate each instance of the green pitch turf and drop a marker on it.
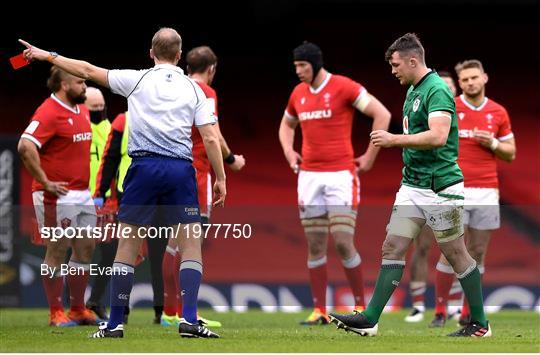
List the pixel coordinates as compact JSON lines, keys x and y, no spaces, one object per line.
{"x":26,"y":331}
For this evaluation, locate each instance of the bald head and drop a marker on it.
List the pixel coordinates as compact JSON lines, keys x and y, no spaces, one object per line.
{"x":94,"y":99}
{"x":166,"y":46}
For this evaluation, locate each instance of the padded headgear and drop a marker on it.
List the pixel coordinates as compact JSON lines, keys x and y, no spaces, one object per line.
{"x":311,"y":53}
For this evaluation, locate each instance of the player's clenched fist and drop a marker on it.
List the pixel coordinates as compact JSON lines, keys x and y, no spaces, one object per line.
{"x":485,"y":138}
{"x":382,"y":138}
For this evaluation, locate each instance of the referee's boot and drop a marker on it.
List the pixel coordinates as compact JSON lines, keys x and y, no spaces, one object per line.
{"x":104,"y":332}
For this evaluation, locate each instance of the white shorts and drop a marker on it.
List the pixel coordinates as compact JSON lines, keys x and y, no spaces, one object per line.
{"x":323,"y":192}
{"x":442,"y":211}
{"x":76,"y":209}
{"x":482,"y":208}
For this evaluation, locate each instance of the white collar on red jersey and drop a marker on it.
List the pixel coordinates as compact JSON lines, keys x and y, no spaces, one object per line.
{"x":323,"y":84}
{"x":76,"y":111}
{"x":471,"y":106}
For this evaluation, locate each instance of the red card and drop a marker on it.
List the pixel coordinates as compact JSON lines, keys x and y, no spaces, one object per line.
{"x":18,"y":61}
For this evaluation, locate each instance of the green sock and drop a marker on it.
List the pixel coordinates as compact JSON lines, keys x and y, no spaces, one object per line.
{"x":388,"y":280}
{"x":472,"y":287}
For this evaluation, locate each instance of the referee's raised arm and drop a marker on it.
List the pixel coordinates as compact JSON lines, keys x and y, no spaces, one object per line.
{"x":79,"y":68}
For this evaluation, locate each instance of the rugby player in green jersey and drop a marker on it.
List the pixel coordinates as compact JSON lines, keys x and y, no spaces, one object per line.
{"x":431,"y":190}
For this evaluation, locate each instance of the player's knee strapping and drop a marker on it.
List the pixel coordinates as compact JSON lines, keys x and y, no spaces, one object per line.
{"x":344,"y":222}
{"x":315,"y":225}
{"x":403,"y":227}
{"x":447,"y":225}
{"x":447,"y":235}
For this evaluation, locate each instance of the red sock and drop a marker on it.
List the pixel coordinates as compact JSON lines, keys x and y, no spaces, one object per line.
{"x":170,"y":281}
{"x":353,"y":270}
{"x":54,"y":287}
{"x":443,"y":283}
{"x":418,"y":291}
{"x":455,"y":298}
{"x":465,"y":310}
{"x":456,"y":293}
{"x":77,"y":285}
{"x":318,"y":281}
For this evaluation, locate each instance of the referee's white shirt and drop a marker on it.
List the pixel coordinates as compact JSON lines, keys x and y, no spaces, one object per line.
{"x":163,"y":105}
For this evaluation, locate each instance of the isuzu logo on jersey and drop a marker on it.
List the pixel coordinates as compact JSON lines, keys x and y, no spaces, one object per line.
{"x":315,"y":115}
{"x":466,"y":133}
{"x":469,"y":133}
{"x":80,"y":137}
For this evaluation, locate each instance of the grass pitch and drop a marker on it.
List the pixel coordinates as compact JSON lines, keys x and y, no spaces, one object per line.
{"x":24,"y":330}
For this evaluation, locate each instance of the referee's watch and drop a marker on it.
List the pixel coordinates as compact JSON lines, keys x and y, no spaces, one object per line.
{"x":52,"y":56}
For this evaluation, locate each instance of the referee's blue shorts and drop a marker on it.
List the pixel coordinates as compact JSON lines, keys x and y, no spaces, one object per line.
{"x":159,"y":191}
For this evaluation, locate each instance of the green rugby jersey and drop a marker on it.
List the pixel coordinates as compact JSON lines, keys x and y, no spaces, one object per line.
{"x":435,"y":168}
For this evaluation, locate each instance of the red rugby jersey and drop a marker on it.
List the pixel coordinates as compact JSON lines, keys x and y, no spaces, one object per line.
{"x":63,"y":136}
{"x":326,"y":117}
{"x":479,"y":163}
{"x":200,"y":159}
